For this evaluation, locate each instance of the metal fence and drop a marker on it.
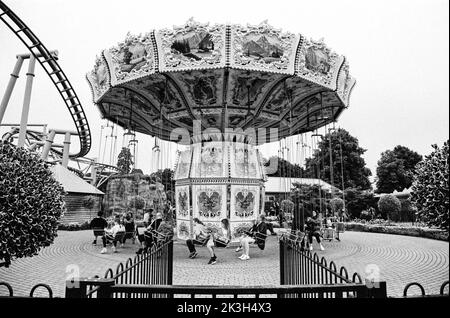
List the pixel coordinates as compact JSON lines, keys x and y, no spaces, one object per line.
{"x":301,"y":267}
{"x":152,"y":268}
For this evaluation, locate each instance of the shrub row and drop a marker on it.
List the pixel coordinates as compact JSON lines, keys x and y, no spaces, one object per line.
{"x":430,"y":233}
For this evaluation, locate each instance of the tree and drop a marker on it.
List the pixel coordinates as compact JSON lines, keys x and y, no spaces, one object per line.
{"x":165,"y":177}
{"x":31,"y":203}
{"x":430,"y":190}
{"x":124,"y":161}
{"x":310,"y":197}
{"x":356,"y":174}
{"x":395,"y":169}
{"x":391,"y":206}
{"x":357,"y":201}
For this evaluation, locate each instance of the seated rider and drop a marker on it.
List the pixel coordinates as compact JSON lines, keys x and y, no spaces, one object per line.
{"x":257,"y":234}
{"x":128,"y":222}
{"x":110,"y":235}
{"x":98,"y":223}
{"x":201,"y":235}
{"x":313,"y":230}
{"x":147,"y":238}
{"x":220,"y":239}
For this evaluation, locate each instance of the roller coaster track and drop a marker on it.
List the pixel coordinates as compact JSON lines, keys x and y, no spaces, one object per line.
{"x":56,"y":74}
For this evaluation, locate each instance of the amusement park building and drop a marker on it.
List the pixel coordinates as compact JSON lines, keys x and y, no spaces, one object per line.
{"x":83,"y":200}
{"x":276,"y":186}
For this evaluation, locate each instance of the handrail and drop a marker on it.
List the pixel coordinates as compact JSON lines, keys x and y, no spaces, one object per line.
{"x":56,"y":74}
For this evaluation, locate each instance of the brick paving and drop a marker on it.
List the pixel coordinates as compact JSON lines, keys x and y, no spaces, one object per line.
{"x":400,"y":260}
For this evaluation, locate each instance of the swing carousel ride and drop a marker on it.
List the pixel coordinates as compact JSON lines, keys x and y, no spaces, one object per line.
{"x":220,"y":90}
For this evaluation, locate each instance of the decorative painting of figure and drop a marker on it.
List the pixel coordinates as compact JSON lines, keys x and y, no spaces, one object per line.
{"x":209,"y":204}
{"x":204,"y":90}
{"x":239,"y":229}
{"x":262,"y":47}
{"x":247,"y":88}
{"x":182,"y":169}
{"x":193,"y":45}
{"x":235,"y":120}
{"x":211,"y":160}
{"x":183,"y":230}
{"x":245,"y":204}
{"x":163,"y":92}
{"x":317,"y":60}
{"x":183,"y":205}
{"x":244,"y":164}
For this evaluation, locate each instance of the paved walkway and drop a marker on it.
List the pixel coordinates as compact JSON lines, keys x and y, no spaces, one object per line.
{"x":400,"y":260}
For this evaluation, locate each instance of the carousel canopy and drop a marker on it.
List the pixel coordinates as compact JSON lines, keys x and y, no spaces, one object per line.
{"x":221,"y":77}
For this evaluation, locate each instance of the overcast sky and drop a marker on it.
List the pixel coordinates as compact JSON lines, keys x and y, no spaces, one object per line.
{"x":398,"y":52}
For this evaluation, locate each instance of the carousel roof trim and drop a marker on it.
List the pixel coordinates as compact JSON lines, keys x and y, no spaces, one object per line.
{"x":205,"y":71}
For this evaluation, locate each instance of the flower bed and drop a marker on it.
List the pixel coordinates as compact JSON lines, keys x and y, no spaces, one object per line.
{"x":387,"y":227}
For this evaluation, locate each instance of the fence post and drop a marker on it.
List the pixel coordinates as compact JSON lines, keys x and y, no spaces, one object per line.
{"x":170,"y":263}
{"x":378,"y":292}
{"x":105,"y":285}
{"x":76,"y":289}
{"x":282,"y":262}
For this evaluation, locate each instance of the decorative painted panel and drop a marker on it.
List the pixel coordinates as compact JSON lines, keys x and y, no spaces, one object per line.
{"x":192,"y":46}
{"x":131,"y":59}
{"x":243,"y":161}
{"x":210,"y":203}
{"x":262,"y":47}
{"x":244,"y":203}
{"x":318,"y":64}
{"x":183,"y":212}
{"x":183,"y":165}
{"x":209,"y":160}
{"x":238,"y":228}
{"x":99,"y":79}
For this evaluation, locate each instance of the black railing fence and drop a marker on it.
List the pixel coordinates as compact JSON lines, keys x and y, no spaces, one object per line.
{"x":298,"y":266}
{"x":152,"y":268}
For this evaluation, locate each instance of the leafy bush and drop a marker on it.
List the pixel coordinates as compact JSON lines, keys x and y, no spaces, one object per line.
{"x":408,"y":211}
{"x":390,"y":206}
{"x":74,"y":226}
{"x":336,"y":205}
{"x":31,"y":202}
{"x":357,"y":201}
{"x":430,"y":188}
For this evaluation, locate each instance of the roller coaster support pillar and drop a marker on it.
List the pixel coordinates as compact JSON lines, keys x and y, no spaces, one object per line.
{"x":48,"y":144}
{"x":26,"y":102}
{"x":65,"y":157}
{"x":94,"y":171}
{"x":10,"y":87}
